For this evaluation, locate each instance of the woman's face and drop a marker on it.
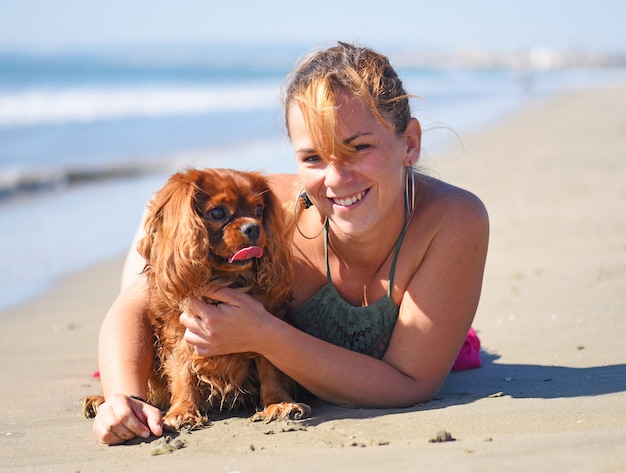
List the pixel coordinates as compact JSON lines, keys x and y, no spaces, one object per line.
{"x":359,"y":192}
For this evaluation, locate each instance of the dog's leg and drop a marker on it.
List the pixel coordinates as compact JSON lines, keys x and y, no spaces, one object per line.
{"x":185,"y":399}
{"x":90,"y":405}
{"x":277,"y":395}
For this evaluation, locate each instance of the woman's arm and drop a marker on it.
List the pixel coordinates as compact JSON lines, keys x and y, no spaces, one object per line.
{"x":441,"y":300}
{"x":125,"y":344}
{"x":125,"y":362}
{"x":436,"y":312}
{"x":134,"y":263}
{"x":330,"y":372}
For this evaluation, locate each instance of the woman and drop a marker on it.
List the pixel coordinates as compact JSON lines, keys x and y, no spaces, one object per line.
{"x":388,"y":262}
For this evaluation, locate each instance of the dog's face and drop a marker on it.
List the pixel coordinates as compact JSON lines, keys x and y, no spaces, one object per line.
{"x":206,"y":228}
{"x":232,"y":207}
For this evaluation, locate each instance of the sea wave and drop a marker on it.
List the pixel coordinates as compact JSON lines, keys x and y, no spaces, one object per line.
{"x":270,"y":154}
{"x":90,"y":104}
{"x":17,"y":181}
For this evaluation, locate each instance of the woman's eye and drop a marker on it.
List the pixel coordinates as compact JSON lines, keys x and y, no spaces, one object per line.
{"x":361,"y":147}
{"x":311,"y":159}
{"x":218,"y":213}
{"x":258,"y":212}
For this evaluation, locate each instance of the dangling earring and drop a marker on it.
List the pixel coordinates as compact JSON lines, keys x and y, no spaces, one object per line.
{"x":409,"y":203}
{"x":303,"y":201}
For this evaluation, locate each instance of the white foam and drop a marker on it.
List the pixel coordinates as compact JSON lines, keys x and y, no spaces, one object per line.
{"x":34,"y":107}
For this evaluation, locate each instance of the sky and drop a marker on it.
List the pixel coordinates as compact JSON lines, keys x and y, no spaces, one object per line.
{"x":492,"y":25}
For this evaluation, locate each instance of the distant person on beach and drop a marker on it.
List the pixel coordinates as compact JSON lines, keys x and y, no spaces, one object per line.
{"x":376,"y":242}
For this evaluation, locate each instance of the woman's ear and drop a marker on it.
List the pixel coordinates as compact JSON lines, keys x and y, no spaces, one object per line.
{"x":413,"y":136}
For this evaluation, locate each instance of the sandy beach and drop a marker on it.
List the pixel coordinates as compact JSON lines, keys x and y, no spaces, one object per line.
{"x":550,"y":397}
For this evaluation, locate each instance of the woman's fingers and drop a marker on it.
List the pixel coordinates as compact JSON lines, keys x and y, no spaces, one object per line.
{"x":153,"y":419}
{"x":221,"y":326}
{"x":121,"y":418}
{"x":224,"y":295}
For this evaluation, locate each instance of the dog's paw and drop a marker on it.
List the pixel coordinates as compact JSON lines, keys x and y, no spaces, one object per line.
{"x":174,"y":420}
{"x":90,"y":405}
{"x":282,"y":411}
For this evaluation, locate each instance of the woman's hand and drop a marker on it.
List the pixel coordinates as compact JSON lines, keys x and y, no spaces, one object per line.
{"x":121,"y":418}
{"x":229,"y":325}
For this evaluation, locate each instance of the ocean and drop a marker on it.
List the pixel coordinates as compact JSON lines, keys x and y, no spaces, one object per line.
{"x":87,"y":137}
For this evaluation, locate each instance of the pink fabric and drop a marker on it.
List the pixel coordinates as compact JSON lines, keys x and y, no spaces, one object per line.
{"x":469,"y":356}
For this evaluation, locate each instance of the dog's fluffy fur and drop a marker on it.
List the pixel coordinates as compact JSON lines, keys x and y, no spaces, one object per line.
{"x":196,"y":223}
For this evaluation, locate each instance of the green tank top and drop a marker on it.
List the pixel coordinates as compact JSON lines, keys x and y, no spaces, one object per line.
{"x":366,"y":330}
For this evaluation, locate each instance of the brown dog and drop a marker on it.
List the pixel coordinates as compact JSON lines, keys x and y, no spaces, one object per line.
{"x":206,"y":230}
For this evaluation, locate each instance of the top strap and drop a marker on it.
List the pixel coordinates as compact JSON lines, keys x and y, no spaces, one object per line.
{"x":392,"y":270}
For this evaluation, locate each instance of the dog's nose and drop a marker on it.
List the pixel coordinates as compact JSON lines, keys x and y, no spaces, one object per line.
{"x":251,"y":230}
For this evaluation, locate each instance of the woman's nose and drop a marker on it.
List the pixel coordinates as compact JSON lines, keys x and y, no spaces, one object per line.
{"x":337,"y":173}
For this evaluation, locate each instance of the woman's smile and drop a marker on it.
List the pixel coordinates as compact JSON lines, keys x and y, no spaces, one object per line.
{"x":350,"y":200}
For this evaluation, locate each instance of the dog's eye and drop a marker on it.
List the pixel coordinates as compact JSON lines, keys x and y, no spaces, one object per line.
{"x":218,"y":213}
{"x":258,"y":212}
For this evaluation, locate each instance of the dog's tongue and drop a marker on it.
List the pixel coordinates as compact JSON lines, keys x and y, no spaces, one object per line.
{"x":246,"y":254}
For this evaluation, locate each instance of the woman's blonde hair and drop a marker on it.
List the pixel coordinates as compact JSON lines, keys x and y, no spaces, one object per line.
{"x":315,"y":85}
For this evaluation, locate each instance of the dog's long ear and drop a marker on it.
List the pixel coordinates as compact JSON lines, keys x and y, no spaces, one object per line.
{"x":176,"y":242}
{"x":275,"y":271}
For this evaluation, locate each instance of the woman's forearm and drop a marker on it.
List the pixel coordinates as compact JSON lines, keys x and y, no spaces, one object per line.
{"x":337,"y":375}
{"x":125,"y":344}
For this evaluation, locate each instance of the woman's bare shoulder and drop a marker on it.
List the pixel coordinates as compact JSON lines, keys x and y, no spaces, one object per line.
{"x":449,"y":204}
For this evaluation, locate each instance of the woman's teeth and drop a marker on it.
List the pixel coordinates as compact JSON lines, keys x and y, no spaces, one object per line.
{"x":349,"y":201}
